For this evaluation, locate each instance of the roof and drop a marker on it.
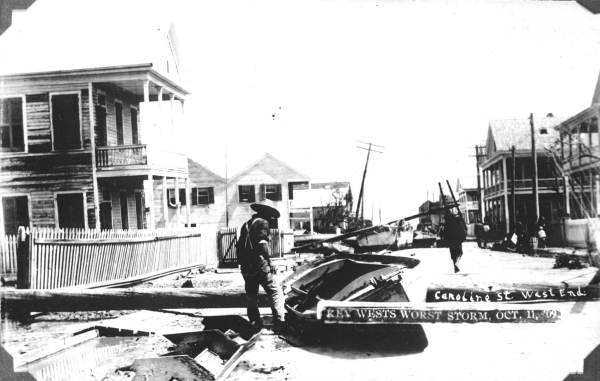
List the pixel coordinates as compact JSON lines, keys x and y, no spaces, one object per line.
{"x":517,"y":132}
{"x":331,"y":185}
{"x":72,"y":34}
{"x":201,"y":174}
{"x":269,"y":161}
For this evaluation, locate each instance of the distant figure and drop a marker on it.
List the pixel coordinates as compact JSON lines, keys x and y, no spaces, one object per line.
{"x":541,"y":237}
{"x":482,"y":232}
{"x":253,"y":251}
{"x":455,"y":233}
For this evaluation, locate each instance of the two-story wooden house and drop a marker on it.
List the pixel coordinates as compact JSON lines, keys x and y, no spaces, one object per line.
{"x":497,"y":173}
{"x":84,"y":146}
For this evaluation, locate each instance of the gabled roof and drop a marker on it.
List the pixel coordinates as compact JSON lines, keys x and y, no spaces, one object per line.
{"x":73,"y":34}
{"x":201,"y":174}
{"x":503,"y":134}
{"x":269,"y":161}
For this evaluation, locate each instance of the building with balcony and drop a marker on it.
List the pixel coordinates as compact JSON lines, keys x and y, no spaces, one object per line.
{"x":468,"y":200}
{"x":324,"y":206}
{"x":83,"y":145}
{"x":496,"y":169}
{"x":578,"y":152}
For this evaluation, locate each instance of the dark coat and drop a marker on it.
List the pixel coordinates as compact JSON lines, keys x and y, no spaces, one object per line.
{"x":455,"y":229}
{"x":253,"y":249}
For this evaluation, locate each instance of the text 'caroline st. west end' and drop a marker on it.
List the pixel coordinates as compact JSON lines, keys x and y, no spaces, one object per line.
{"x":458,"y":295}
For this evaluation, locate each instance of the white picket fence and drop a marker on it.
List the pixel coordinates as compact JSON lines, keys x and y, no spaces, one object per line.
{"x":75,"y":257}
{"x":8,"y":254}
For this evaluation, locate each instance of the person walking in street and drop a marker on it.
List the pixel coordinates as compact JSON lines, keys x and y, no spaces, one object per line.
{"x":254,"y":252}
{"x":455,"y":233}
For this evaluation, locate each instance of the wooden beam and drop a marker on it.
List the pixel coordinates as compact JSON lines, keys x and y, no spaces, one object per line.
{"x":122,"y":299}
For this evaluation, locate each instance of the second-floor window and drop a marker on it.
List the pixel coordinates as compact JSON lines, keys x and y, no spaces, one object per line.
{"x":246,"y":193}
{"x":11,"y":124}
{"x":203,"y":196}
{"x":270,"y":192}
{"x":66,"y":128}
{"x":119,"y":121}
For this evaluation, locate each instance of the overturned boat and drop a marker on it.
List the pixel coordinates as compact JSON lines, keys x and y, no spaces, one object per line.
{"x":384,"y":237}
{"x":344,"y":278}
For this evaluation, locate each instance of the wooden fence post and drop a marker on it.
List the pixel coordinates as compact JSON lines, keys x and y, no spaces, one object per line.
{"x":23,"y":258}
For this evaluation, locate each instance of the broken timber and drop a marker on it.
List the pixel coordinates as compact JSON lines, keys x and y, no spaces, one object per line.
{"x":354,"y":233}
{"x":68,"y":300}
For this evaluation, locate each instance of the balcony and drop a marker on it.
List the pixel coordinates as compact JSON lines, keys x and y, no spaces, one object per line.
{"x":119,"y":156}
{"x":522,"y":185}
{"x":138,"y":160}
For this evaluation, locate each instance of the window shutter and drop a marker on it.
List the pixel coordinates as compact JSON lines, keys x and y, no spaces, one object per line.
{"x":278,"y":194}
{"x":211,"y":195}
{"x":262,"y":192}
{"x":182,"y":196}
{"x":194,"y":196}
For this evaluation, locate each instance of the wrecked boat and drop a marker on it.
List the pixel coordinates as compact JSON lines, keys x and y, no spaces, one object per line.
{"x":384,"y":237}
{"x":344,"y":278}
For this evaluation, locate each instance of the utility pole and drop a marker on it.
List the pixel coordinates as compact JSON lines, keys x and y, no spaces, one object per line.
{"x":512,"y":189}
{"x":536,"y":199}
{"x":360,"y":206}
{"x":479,"y":195}
{"x":226,"y":193}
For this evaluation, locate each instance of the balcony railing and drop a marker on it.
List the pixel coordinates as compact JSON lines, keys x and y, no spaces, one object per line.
{"x":116,"y":156}
{"x":520,"y":184}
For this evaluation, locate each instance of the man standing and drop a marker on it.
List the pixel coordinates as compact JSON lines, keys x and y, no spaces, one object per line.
{"x":254,"y":251}
{"x":455,"y":234}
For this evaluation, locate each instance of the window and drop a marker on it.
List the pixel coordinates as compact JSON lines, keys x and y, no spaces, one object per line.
{"x":270,"y":192}
{"x":119,"y":121}
{"x":203,"y":196}
{"x":134,"y":126}
{"x":246,"y":193}
{"x":11,"y":124}
{"x":171,"y":196}
{"x":15,"y":210}
{"x":299,"y":185}
{"x":70,"y":210}
{"x":66,"y":132}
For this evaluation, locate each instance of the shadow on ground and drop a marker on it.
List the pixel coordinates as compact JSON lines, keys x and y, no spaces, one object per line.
{"x":362,"y":341}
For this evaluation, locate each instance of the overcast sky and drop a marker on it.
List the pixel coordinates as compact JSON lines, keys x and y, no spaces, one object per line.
{"x":422,"y":78}
{"x":306,"y":80}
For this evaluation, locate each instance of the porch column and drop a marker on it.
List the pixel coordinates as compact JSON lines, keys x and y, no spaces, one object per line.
{"x":506,"y":210}
{"x":172,"y":103}
{"x":567,"y":195}
{"x":597,"y":188}
{"x":93,"y":144}
{"x":165,"y":201}
{"x":592,"y":194}
{"x":188,"y":202}
{"x":150,"y":202}
{"x":177,"y":205}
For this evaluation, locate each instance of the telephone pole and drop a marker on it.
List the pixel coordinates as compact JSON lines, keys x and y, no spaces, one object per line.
{"x":536,"y":199}
{"x":360,"y":206}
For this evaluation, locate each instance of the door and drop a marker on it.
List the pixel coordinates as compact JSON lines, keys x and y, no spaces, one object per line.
{"x":124,"y":212}
{"x":105,"y":215}
{"x":16,"y":213}
{"x":139,"y":210}
{"x":101,"y":126}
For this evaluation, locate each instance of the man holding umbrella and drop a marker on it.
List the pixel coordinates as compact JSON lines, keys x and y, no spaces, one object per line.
{"x":254,"y":251}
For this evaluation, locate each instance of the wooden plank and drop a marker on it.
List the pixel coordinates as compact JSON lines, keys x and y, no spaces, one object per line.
{"x":122,"y":299}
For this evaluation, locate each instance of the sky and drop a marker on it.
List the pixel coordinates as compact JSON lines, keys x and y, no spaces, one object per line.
{"x":308,"y":80}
